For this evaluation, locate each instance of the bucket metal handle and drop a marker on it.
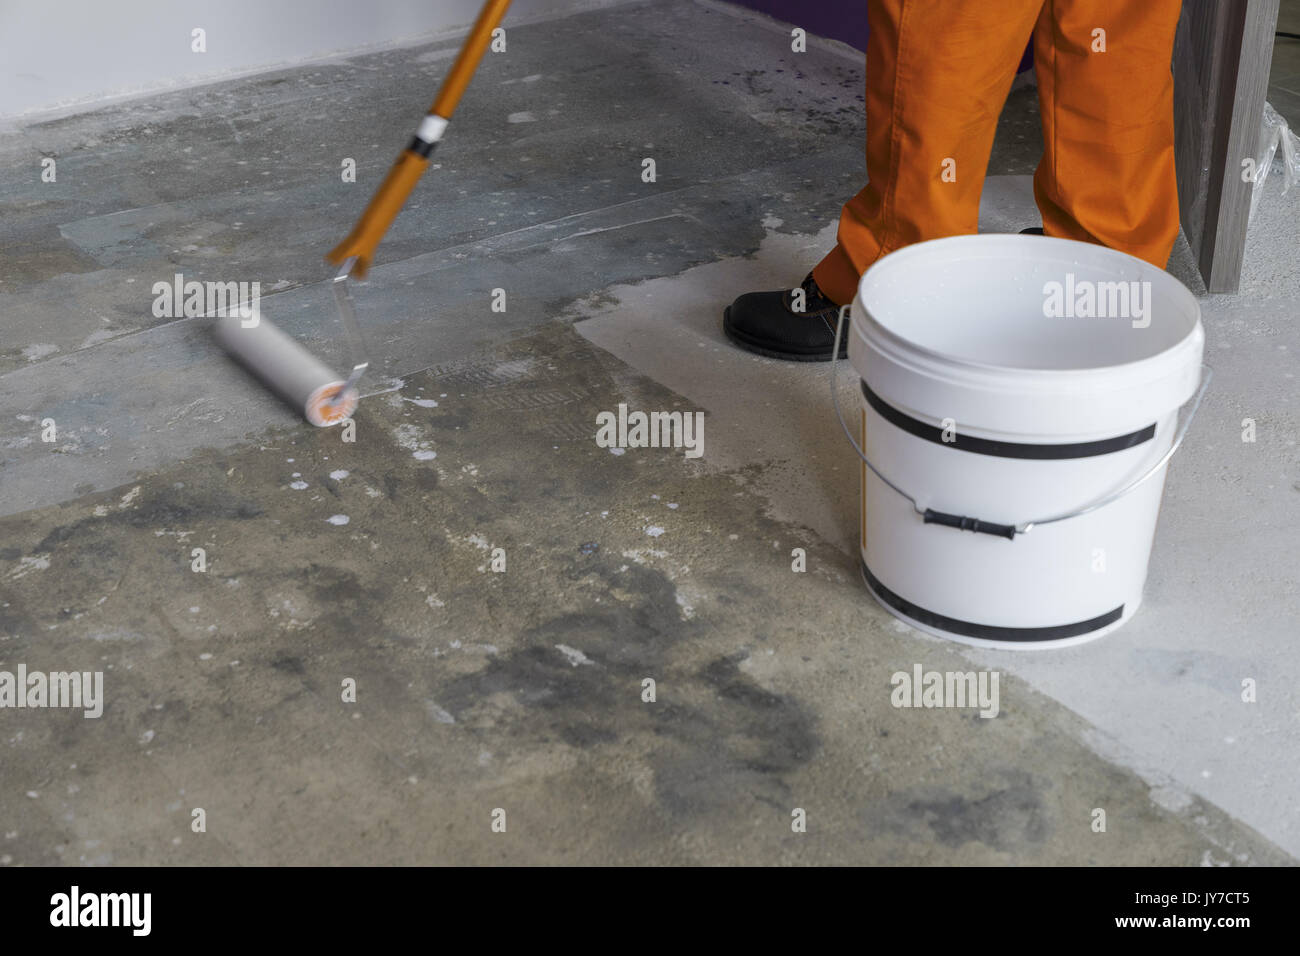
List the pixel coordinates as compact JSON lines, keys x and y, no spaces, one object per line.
{"x":1009,"y":531}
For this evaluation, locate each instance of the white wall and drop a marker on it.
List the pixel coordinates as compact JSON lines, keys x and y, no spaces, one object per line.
{"x":56,"y":54}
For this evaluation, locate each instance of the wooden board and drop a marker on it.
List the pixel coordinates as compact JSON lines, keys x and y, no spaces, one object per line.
{"x":1222,"y":55}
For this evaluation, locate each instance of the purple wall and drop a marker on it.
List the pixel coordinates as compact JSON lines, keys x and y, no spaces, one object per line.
{"x":844,"y":20}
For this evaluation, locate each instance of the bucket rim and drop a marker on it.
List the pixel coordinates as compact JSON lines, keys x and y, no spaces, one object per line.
{"x":1177,"y":290}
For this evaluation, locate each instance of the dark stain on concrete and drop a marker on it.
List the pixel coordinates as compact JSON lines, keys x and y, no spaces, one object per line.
{"x":289,"y":665}
{"x":783,"y":728}
{"x":1011,"y":816}
{"x":157,"y":509}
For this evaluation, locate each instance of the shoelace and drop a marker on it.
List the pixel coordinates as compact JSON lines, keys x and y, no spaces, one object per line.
{"x":813,"y":294}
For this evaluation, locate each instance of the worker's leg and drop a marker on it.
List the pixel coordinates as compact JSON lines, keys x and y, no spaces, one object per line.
{"x":938,"y":73}
{"x":1106,"y":96}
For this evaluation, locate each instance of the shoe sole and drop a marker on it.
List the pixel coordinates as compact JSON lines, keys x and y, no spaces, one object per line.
{"x":764,"y":349}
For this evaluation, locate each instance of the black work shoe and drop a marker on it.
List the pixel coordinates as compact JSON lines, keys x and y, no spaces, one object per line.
{"x":1032,"y":231}
{"x":767,"y":323}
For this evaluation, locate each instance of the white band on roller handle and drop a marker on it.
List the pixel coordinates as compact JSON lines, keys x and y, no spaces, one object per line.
{"x":431,"y":128}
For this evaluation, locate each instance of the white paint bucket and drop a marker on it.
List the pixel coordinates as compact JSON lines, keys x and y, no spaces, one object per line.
{"x":1014,"y":460}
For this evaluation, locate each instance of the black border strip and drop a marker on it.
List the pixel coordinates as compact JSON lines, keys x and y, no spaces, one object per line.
{"x":987,"y":631}
{"x":1004,"y":449}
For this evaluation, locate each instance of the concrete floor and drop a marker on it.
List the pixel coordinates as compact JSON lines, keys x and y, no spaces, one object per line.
{"x":522,"y":690}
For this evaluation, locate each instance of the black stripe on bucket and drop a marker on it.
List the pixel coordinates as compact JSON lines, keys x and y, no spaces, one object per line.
{"x":987,"y":632}
{"x":1004,"y":449}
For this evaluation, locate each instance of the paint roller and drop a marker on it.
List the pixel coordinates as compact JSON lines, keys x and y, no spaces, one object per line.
{"x":276,"y":359}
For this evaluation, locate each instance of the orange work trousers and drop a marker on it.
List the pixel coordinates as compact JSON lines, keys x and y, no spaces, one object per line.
{"x":938,"y":73}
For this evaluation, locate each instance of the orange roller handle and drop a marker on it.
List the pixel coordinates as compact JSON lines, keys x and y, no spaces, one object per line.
{"x":379,"y":215}
{"x":401,"y":179}
{"x":471,"y":52}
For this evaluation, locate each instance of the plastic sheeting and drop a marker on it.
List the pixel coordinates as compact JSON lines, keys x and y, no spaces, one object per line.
{"x":1278,"y":146}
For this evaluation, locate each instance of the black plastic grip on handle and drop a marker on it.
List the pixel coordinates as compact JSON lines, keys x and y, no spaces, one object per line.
{"x":964,"y":523}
